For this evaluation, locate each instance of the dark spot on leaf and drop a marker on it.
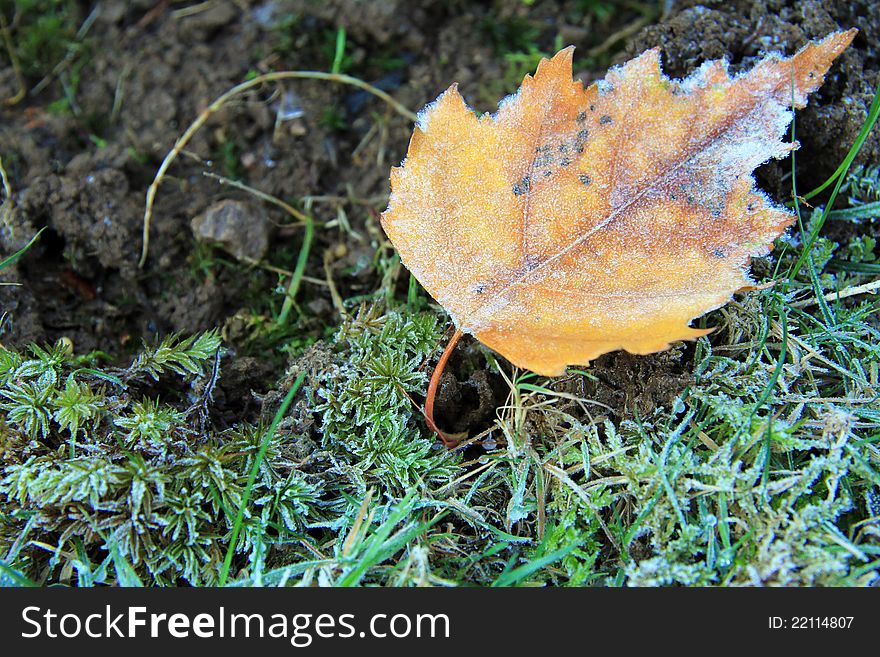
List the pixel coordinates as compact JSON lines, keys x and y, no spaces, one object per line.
{"x":719,"y":253}
{"x":563,"y":148}
{"x":522,"y":187}
{"x":548,"y":173}
{"x":605,"y":119}
{"x":564,"y":162}
{"x":543,"y":160}
{"x":592,"y":108}
{"x":584,"y":178}
{"x":480,"y":289}
{"x":581,"y":117}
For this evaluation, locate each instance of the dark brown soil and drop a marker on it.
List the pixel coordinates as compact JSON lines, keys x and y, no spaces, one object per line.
{"x":150,"y":68}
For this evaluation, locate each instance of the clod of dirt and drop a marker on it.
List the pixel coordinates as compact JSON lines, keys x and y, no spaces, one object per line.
{"x":91,"y":210}
{"x":237,"y":395}
{"x":464,"y":406}
{"x":634,"y":386}
{"x":238,"y":227}
{"x":467,"y":396}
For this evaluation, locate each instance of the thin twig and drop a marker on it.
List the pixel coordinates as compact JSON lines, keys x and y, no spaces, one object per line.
{"x":281,"y":270}
{"x":16,"y":64}
{"x":289,"y":209}
{"x":871,"y":287}
{"x":119,"y":93}
{"x":354,"y":532}
{"x":194,"y":127}
{"x":153,"y":14}
{"x":334,"y":293}
{"x":467,"y":475}
{"x":71,"y":53}
{"x":192,"y":10}
{"x":624,"y":33}
{"x":7,"y":188}
{"x":816,"y":355}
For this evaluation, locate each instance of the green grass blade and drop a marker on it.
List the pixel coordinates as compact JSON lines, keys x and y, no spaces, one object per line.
{"x":298,"y":271}
{"x":517,"y":575}
{"x":858,"y":213}
{"x":258,"y":461}
{"x":840,"y":175}
{"x":125,"y":573}
{"x":336,"y":69}
{"x":16,"y":576}
{"x":7,"y":261}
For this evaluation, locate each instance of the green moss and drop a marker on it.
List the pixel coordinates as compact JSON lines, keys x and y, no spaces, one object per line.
{"x":46,"y":30}
{"x":365,"y":399}
{"x":94,"y":464}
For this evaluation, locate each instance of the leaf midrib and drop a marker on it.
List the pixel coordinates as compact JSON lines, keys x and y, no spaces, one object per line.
{"x":519,"y":279}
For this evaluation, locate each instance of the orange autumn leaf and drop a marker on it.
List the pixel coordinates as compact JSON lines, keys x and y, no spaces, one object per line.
{"x":577,"y":221}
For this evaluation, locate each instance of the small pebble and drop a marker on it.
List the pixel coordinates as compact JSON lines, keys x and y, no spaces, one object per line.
{"x":238,"y":227}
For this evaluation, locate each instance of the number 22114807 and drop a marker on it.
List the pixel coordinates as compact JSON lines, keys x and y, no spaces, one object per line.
{"x":810,"y":622}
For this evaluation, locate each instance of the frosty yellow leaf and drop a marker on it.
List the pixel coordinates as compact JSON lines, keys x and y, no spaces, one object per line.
{"x":577,"y":221}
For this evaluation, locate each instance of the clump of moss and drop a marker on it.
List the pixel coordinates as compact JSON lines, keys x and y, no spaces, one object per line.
{"x":46,"y":29}
{"x":102,"y":478}
{"x":366,"y":405}
{"x":102,"y":481}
